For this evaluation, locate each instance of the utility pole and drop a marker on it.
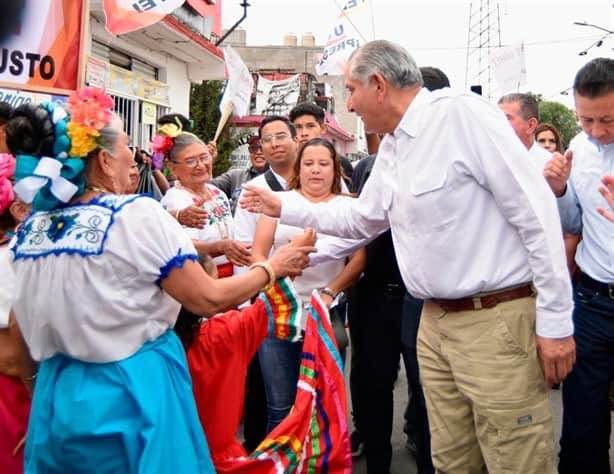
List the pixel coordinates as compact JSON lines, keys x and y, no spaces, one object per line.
{"x":484,"y":34}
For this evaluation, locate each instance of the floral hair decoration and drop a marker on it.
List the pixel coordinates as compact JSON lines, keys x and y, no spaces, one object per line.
{"x":165,"y":140}
{"x":7,"y":168}
{"x":49,"y":181}
{"x":90,"y":110}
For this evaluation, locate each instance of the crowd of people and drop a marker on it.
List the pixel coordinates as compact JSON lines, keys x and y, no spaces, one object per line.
{"x":206,"y":331}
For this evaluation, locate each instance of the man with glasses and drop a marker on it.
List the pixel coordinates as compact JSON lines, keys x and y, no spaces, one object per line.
{"x":231,"y":181}
{"x":277,"y":137}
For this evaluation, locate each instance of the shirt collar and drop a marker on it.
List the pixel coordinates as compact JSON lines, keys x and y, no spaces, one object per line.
{"x":600,"y":146}
{"x":410,"y":122}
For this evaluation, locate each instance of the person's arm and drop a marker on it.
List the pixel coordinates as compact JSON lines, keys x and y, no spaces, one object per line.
{"x":558,"y":174}
{"x":358,"y":220}
{"x":499,"y":164}
{"x":571,"y":244}
{"x":236,"y":252}
{"x":201,"y":294}
{"x":161,"y":181}
{"x":264,"y":238}
{"x":348,"y":276}
{"x":27,"y":367}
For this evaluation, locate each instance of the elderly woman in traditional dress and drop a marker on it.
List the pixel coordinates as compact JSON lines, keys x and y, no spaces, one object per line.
{"x":190,"y":161}
{"x":100,"y":279}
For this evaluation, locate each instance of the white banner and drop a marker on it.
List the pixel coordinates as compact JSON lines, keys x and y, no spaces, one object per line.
{"x":277,"y":97}
{"x":240,"y":84}
{"x":509,"y":67}
{"x":352,"y":28}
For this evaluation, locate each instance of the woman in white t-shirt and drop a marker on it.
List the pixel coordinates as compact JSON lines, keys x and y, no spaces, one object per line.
{"x":190,"y":161}
{"x":317,"y":178}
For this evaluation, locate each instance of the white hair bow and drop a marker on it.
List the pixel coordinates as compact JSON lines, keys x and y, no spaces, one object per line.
{"x":47,"y":170}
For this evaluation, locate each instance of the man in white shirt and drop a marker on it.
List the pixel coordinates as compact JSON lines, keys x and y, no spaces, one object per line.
{"x":279,"y":144}
{"x":473,"y":226}
{"x":522,"y":112}
{"x":585,"y":436}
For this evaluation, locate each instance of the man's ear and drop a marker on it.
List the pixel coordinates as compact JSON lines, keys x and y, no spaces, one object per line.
{"x":380,"y":83}
{"x":533,"y":123}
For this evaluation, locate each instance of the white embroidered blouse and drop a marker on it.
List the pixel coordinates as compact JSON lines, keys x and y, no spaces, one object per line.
{"x":219,"y":223}
{"x":87,"y":277}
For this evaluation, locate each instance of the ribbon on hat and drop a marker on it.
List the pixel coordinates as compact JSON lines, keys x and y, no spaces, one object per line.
{"x":47,"y":173}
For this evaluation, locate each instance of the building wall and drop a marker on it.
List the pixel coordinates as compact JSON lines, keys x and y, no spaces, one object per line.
{"x":172,"y":71}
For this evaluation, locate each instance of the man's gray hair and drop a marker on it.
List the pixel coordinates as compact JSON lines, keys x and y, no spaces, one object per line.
{"x":389,"y":59}
{"x":181,"y":141}
{"x":529,"y":107}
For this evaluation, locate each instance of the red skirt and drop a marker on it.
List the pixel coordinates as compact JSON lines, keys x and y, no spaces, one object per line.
{"x":14,"y":412}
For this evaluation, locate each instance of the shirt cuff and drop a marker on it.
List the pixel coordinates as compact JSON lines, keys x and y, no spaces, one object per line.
{"x":554,"y":325}
{"x":565,"y":200}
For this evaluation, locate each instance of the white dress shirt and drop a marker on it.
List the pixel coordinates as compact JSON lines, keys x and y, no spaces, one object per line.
{"x":540,"y":155}
{"x":578,"y":207}
{"x":468,"y":213}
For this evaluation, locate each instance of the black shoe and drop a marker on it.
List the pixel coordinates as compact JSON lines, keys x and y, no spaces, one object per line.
{"x":357,"y":444}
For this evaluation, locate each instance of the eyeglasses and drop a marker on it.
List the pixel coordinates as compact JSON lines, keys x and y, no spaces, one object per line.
{"x":278,"y":136}
{"x":192,"y":162}
{"x":254,"y":148}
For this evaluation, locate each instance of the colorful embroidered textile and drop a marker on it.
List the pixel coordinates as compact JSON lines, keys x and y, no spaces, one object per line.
{"x":314,"y":437}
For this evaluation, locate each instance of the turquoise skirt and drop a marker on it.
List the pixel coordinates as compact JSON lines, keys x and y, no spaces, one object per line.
{"x":136,"y":415}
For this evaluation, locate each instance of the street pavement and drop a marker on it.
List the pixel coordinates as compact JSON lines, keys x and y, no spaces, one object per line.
{"x":403,"y":462}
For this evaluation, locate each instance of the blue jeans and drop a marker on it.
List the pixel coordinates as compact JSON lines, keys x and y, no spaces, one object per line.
{"x":280,"y":362}
{"x":586,"y":411}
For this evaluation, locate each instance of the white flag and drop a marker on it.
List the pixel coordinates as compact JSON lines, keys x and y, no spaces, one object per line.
{"x":240,"y":84}
{"x":277,"y":97}
{"x":352,"y":28}
{"x":124,"y":16}
{"x":509,"y":67}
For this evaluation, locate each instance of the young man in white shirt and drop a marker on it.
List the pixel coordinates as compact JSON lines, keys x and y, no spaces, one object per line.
{"x":474,"y":225}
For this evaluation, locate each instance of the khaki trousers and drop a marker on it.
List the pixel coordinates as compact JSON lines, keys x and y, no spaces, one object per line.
{"x":486,"y":397}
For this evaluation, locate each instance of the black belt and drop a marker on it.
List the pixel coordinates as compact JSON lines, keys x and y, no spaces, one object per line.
{"x":606,"y":289}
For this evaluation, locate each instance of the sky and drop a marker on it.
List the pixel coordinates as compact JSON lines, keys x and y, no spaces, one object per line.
{"x":435,"y":32}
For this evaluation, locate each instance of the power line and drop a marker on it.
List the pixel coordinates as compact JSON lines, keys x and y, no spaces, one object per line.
{"x":533,"y":43}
